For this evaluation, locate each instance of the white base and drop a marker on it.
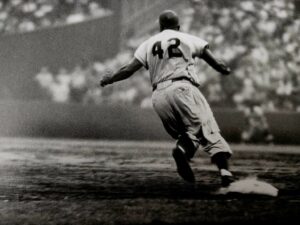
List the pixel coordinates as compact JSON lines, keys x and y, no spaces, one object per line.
{"x":250,"y":186}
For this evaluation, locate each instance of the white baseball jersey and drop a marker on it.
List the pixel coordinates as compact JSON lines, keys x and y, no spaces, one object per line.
{"x":170,"y":54}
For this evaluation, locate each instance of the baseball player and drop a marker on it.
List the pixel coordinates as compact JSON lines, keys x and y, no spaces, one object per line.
{"x":169,"y":57}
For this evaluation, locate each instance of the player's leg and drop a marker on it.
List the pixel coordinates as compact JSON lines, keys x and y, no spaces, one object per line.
{"x":210,"y":137}
{"x":188,"y":145}
{"x":221,"y":161}
{"x":220,"y":153}
{"x":182,"y":154}
{"x":167,"y":109}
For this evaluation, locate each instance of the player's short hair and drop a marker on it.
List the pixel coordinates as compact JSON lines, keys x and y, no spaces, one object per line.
{"x":168,"y":19}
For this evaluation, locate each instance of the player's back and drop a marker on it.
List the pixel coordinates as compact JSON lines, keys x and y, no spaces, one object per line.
{"x":170,"y":54}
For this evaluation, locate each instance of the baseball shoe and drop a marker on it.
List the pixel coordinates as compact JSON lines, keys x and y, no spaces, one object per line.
{"x":183,"y":166}
{"x":226,"y":180}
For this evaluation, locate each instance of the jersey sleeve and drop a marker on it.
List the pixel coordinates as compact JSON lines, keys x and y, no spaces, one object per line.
{"x":141,"y":54}
{"x":199,"y":45}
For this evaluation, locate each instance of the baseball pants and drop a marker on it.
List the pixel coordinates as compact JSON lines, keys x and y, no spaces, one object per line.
{"x":188,"y":118}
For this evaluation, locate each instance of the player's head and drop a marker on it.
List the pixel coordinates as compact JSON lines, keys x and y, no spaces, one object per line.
{"x":168,"y":19}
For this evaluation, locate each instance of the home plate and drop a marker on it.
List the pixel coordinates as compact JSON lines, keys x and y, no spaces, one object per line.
{"x":250,"y":186}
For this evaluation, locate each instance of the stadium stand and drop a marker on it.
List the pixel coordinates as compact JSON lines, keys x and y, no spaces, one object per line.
{"x":23,"y":16}
{"x":260,"y":41}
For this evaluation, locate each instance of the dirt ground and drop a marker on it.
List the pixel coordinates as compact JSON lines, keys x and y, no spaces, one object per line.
{"x":102,"y":182}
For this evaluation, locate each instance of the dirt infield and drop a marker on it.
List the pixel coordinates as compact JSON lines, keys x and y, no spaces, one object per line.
{"x":101,"y":182}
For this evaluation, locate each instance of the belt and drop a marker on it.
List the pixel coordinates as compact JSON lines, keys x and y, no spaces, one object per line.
{"x":175,"y":79}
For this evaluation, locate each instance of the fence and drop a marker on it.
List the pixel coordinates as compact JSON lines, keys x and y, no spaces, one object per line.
{"x":41,"y":119}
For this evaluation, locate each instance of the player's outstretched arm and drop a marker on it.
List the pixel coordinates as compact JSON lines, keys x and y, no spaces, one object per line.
{"x":215,"y":63}
{"x":123,"y":73}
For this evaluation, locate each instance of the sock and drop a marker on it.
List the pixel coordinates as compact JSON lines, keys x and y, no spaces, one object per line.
{"x":221,"y":160}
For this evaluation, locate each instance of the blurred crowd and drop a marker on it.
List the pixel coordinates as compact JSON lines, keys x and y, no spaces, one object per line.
{"x":258,"y":39}
{"x":29,"y":15}
{"x":81,"y":84}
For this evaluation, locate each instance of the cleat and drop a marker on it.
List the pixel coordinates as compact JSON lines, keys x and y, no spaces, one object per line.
{"x":183,"y":166}
{"x":226,"y":180}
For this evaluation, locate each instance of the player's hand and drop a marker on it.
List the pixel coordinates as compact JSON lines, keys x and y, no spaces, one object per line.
{"x":106,"y":79}
{"x":226,"y":71}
